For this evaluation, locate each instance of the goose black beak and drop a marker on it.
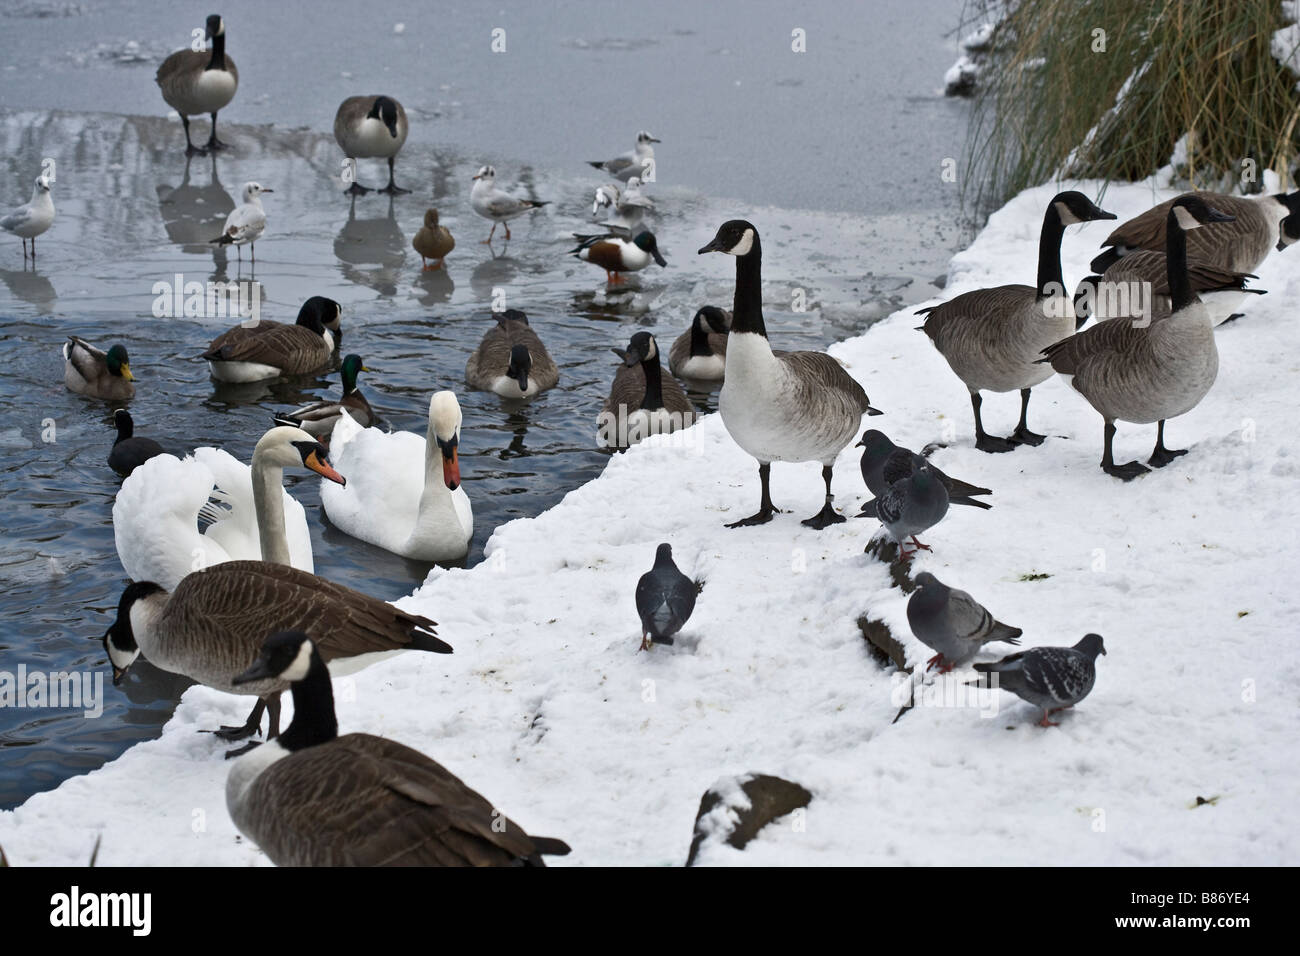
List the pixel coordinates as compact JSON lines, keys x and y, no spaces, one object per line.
{"x":1281,"y":246}
{"x":713,"y":246}
{"x":871,"y":411}
{"x":1216,"y":216}
{"x":261,"y":670}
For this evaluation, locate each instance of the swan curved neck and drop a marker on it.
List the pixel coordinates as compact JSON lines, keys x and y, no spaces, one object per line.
{"x":268,"y":503}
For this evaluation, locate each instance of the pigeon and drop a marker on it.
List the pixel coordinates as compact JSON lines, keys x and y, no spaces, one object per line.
{"x":952,"y":623}
{"x":1051,"y":678}
{"x":910,"y":506}
{"x":130,"y":450}
{"x":665,"y":599}
{"x":884,"y":463}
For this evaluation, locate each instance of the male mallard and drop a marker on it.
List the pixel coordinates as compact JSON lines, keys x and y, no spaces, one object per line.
{"x":88,"y":371}
{"x":318,"y":418}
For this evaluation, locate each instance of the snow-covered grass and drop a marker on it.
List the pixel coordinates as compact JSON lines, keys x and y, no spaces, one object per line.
{"x":550,"y":711}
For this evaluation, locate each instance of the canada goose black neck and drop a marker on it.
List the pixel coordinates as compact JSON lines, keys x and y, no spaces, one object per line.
{"x":747,"y":309}
{"x":313,"y":709}
{"x":700,"y":335}
{"x":1049,"y":252}
{"x":1180,"y":286}
{"x":654,"y":386}
{"x":218,"y":61}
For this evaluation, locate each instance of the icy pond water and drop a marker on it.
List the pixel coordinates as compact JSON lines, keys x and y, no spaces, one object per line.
{"x":833,"y":153}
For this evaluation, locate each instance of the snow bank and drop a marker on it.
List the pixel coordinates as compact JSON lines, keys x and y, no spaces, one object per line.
{"x":550,"y":711}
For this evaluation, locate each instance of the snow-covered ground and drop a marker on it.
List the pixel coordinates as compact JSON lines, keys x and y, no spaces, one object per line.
{"x":548,"y":709}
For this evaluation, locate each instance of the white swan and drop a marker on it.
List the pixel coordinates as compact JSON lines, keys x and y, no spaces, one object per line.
{"x":404,"y":493}
{"x":158,"y":509}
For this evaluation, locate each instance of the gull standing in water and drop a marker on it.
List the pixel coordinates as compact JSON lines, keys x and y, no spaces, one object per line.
{"x":30,"y":220}
{"x":247,"y":221}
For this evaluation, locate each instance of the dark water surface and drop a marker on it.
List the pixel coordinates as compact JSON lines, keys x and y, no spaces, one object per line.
{"x":834,"y":154}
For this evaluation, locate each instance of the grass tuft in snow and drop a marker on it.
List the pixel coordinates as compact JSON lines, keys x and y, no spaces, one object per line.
{"x":1113,"y":89}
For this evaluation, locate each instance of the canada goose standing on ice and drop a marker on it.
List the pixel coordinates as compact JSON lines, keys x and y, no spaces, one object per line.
{"x":194,"y":82}
{"x":701,"y":351}
{"x":211,"y":628}
{"x":371,"y":127}
{"x":246,"y":222}
{"x":780,"y":406}
{"x":129,"y":449}
{"x":313,"y":798}
{"x":1151,"y":372}
{"x":432,"y":241}
{"x":32,"y":218}
{"x":497,"y":204}
{"x":1239,"y":245}
{"x":642,"y":400}
{"x":993,"y":338}
{"x":88,"y":371}
{"x":252,"y":353}
{"x":511,"y":360}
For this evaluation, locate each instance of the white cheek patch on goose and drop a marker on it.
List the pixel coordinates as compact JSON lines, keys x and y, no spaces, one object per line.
{"x":1185,"y":219}
{"x":1066,"y":215}
{"x":301,"y":664}
{"x":746,"y":243}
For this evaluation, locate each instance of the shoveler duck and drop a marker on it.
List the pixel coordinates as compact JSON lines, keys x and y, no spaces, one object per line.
{"x":318,"y":418}
{"x":615,"y":254}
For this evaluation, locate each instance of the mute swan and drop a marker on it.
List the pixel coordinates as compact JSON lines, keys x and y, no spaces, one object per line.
{"x":404,"y":495}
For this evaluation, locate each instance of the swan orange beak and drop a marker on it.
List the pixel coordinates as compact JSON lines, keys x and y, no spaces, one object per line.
{"x":451,"y":469}
{"x":316,"y":463}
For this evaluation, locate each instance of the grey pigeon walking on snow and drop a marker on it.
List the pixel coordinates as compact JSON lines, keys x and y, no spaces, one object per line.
{"x":910,"y":506}
{"x":665,"y":599}
{"x":953,"y":623}
{"x":884,"y":463}
{"x":1051,"y":678}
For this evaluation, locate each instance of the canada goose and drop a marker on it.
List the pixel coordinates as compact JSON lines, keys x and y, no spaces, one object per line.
{"x":313,"y":798}
{"x":639,"y":161}
{"x":1288,"y":231}
{"x":245,"y":511}
{"x":642,"y":400}
{"x":404,"y":494}
{"x":1149,"y":372}
{"x":319,"y":418}
{"x":195,"y":82}
{"x":1220,"y":289}
{"x":497,"y":204}
{"x":701,"y":351}
{"x":88,"y":371}
{"x":780,"y":406}
{"x":33,"y":218}
{"x":511,"y":360}
{"x":615,"y":254}
{"x":266,"y":349}
{"x":210,"y":628}
{"x":246,"y":222}
{"x":1239,"y":247}
{"x":371,"y":127}
{"x":432,"y":241}
{"x":665,"y":599}
{"x":129,"y":450}
{"x":1051,"y":678}
{"x":993,"y":338}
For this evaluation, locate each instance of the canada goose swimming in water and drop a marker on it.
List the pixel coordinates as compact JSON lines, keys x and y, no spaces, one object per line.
{"x":371,"y":127}
{"x":993,"y":338}
{"x":211,"y":626}
{"x":253,"y":353}
{"x":1237,"y":247}
{"x":780,"y":406}
{"x":642,"y":400}
{"x":130,"y":450}
{"x":665,"y":599}
{"x":615,"y":254}
{"x":884,"y":463}
{"x":432,"y":241}
{"x":637,"y":162}
{"x":701,"y":351}
{"x":1051,"y":678}
{"x":88,"y":371}
{"x":313,"y":798}
{"x":194,"y":82}
{"x":511,"y":360}
{"x":404,"y":494}
{"x":1148,"y":373}
{"x":1118,"y":291}
{"x":246,"y":222}
{"x":319,"y":418}
{"x":497,"y":204}
{"x":33,"y":218}
{"x":244,"y":511}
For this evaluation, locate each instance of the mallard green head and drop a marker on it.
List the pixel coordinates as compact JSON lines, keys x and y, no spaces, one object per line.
{"x":119,"y":362}
{"x":352,"y":365}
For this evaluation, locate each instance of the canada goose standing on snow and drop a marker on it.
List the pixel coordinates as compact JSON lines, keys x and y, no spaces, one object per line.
{"x":780,"y":406}
{"x":1145,"y":373}
{"x":371,"y":127}
{"x":432,"y":241}
{"x":246,"y":222}
{"x":1111,"y":295}
{"x":194,"y":82}
{"x":211,"y":628}
{"x":319,"y":418}
{"x":32,"y":218}
{"x":497,"y":204}
{"x":701,"y":351}
{"x":253,"y":353}
{"x":1239,"y":245}
{"x":129,"y":449}
{"x":88,"y":371}
{"x":638,"y":162}
{"x":993,"y":338}
{"x":511,"y":360}
{"x":313,"y":798}
{"x":642,"y":400}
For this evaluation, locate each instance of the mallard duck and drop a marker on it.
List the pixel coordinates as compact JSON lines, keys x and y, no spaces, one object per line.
{"x":432,"y":241}
{"x":319,"y":418}
{"x":88,"y":371}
